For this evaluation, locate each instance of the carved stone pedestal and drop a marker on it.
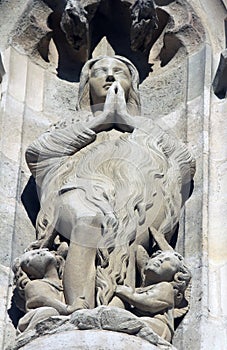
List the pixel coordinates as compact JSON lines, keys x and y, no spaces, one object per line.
{"x":92,"y":340}
{"x":95,"y":329}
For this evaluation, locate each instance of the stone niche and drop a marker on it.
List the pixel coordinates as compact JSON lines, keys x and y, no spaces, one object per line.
{"x":178,"y":49}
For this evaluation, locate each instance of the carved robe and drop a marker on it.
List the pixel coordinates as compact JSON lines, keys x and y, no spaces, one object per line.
{"x":131,"y":180}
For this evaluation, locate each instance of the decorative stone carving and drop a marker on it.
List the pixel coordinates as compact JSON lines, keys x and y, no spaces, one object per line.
{"x":62,"y":36}
{"x":36,"y":90}
{"x":144,"y":21}
{"x":77,"y":17}
{"x":38,"y":274}
{"x":101,"y":318}
{"x":164,"y":280}
{"x":112,"y":184}
{"x":74,"y":23}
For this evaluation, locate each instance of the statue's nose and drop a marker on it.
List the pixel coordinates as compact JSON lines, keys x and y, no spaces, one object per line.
{"x":110,"y":78}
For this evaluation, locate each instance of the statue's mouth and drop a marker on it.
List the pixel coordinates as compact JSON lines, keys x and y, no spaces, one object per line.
{"x":107,"y":85}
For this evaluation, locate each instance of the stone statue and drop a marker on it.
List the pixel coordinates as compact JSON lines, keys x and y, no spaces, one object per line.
{"x":106,"y":179}
{"x":164,"y":278}
{"x":38,"y":277}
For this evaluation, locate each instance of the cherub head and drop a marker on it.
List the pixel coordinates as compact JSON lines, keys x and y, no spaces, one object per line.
{"x":164,"y":266}
{"x":97,"y":76}
{"x":35,"y":264}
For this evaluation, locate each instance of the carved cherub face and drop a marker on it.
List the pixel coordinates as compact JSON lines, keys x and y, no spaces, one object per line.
{"x":35,"y":262}
{"x":103,"y":73}
{"x":161,"y":267}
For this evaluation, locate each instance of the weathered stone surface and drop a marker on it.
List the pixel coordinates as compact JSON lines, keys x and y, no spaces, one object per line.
{"x":39,"y":32}
{"x":4,"y":282}
{"x":108,"y":88}
{"x":200,"y":122}
{"x":10,"y":13}
{"x":75,"y":24}
{"x":32,"y":28}
{"x":92,"y":340}
{"x":102,"y":318}
{"x":144,"y":22}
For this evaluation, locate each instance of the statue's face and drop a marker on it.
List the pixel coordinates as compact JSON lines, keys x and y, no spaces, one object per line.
{"x":103,"y":74}
{"x":161,"y":268}
{"x":35,"y":262}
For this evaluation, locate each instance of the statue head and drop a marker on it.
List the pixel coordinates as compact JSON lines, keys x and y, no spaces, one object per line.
{"x":35,"y":262}
{"x":98,"y":75}
{"x":164,"y":266}
{"x":34,"y":265}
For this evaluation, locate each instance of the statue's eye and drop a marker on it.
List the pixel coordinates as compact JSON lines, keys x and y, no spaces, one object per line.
{"x":119,"y":71}
{"x":98,"y":72}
